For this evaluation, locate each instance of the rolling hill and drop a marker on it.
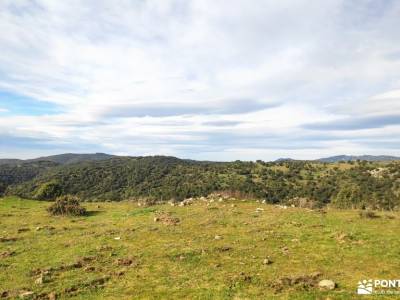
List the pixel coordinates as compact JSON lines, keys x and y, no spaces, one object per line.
{"x":63,"y":159}
{"x":360,"y":157}
{"x":162,"y":178}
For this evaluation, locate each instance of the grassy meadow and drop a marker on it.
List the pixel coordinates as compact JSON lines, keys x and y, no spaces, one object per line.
{"x":221,"y":250}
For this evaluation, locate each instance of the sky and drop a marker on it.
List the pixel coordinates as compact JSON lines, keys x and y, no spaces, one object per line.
{"x":200,"y":79}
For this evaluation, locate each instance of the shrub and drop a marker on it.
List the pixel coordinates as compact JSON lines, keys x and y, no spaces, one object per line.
{"x":67,"y":206}
{"x":47,"y":191}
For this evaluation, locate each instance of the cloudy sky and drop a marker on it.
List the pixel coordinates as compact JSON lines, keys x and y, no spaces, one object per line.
{"x":201,"y":79}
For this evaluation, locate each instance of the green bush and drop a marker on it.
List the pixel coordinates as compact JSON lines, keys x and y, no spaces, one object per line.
{"x":67,"y":206}
{"x":48,"y":191}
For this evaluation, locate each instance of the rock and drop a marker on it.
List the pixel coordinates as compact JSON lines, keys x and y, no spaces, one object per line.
{"x":26,"y":294}
{"x":218,"y":237}
{"x":156,"y":219}
{"x":52,"y":296}
{"x":233,"y":205}
{"x":39,"y":228}
{"x":267,"y":261}
{"x":258,"y":209}
{"x":117,"y":238}
{"x":185,"y":202}
{"x":326,"y":284}
{"x":40,"y":280}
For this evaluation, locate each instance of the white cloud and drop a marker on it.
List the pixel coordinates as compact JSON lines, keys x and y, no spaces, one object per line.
{"x":153,"y":76}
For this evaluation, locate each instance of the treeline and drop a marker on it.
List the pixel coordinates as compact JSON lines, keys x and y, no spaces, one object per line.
{"x":352,"y":184}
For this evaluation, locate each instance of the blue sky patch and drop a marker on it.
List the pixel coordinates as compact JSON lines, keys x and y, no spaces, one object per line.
{"x":14,"y":104}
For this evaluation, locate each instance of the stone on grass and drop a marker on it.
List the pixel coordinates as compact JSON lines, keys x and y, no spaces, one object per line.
{"x":267,"y":261}
{"x":326,"y":284}
{"x":26,"y":294}
{"x":40,"y":280}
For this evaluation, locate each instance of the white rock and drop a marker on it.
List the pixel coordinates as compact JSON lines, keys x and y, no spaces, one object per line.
{"x":26,"y":294}
{"x":326,"y":284}
{"x":39,"y":280}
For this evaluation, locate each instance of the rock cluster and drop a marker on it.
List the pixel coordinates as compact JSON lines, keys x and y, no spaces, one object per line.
{"x":211,"y":198}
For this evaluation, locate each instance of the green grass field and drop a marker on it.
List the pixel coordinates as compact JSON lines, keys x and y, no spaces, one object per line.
{"x":119,"y":251}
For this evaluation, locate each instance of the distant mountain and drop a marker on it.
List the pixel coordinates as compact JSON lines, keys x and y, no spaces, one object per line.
{"x":71,"y":158}
{"x":284,"y":159}
{"x":10,"y":161}
{"x":338,"y":158}
{"x":62,"y":159}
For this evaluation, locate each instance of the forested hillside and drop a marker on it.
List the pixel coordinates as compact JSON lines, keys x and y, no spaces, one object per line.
{"x":18,"y":172}
{"x":345,"y":184}
{"x":63,"y":159}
